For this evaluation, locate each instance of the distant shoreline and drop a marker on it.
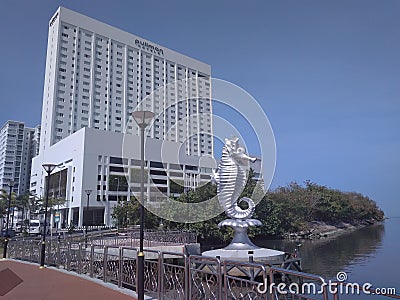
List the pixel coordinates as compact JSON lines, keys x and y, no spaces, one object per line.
{"x":318,"y":230}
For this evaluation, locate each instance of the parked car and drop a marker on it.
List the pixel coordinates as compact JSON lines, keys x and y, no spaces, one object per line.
{"x":18,"y":227}
{"x":11,"y":233}
{"x":34,"y":227}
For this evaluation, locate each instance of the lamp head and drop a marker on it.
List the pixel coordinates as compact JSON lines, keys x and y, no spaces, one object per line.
{"x":143,"y":118}
{"x":49,"y":167}
{"x":88,"y":192}
{"x":11,"y":183}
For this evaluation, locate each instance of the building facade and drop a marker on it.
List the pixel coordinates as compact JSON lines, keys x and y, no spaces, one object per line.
{"x":96,"y":76}
{"x":18,"y":145}
{"x":108,"y":164}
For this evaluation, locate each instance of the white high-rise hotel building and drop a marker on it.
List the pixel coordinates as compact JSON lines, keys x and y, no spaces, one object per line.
{"x":95,"y":77}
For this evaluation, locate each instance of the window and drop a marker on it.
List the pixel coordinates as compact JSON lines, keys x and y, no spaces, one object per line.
{"x":156,"y":172}
{"x":116,"y":169}
{"x":116,"y":160}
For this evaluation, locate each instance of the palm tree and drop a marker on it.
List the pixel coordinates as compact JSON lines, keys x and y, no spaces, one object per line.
{"x":22,"y":202}
{"x":37,"y":205}
{"x":4,"y":201}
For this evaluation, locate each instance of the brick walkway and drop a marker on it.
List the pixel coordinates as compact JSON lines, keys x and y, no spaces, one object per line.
{"x":25,"y":281}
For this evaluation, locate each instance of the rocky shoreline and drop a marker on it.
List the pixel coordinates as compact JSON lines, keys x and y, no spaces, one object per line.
{"x":317,"y":229}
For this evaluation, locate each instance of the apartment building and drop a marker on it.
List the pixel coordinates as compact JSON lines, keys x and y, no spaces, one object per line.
{"x":18,"y":145}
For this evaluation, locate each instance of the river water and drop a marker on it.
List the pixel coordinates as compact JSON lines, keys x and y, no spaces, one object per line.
{"x":367,"y":255}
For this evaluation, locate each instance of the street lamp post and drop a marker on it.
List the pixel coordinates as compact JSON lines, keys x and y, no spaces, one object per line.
{"x":48,"y":168}
{"x":87,"y":215}
{"x":10,"y":185}
{"x":117,"y":179}
{"x":143,"y":119}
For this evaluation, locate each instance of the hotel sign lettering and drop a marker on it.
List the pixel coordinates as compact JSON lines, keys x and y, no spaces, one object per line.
{"x":53,"y":20}
{"x":149,"y":47}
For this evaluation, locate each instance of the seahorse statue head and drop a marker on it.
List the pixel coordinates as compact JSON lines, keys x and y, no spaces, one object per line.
{"x":238,"y":153}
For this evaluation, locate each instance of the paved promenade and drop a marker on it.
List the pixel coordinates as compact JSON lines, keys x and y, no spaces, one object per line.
{"x":25,"y":281}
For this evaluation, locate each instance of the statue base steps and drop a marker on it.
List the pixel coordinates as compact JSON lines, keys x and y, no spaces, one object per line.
{"x":259,"y":255}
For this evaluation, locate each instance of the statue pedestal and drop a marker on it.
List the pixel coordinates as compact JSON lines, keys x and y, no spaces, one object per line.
{"x":241,"y":248}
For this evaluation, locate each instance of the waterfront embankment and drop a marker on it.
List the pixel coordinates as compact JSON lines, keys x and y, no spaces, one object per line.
{"x":318,"y":229}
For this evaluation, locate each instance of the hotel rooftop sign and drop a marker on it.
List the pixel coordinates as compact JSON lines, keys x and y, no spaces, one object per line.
{"x":149,"y":47}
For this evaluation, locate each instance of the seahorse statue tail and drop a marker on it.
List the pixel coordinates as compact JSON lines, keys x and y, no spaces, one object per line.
{"x":235,"y":211}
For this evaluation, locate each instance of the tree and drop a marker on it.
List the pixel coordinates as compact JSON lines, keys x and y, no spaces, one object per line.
{"x":22,"y":202}
{"x":127,"y":213}
{"x":287,"y":209}
{"x":301,"y":205}
{"x":4,"y":201}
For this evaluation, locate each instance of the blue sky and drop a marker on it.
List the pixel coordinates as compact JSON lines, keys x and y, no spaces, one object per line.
{"x":326,"y":73}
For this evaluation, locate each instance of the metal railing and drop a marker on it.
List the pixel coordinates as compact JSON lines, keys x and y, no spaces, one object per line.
{"x":176,"y":276}
{"x":303,"y":285}
{"x":151,"y":238}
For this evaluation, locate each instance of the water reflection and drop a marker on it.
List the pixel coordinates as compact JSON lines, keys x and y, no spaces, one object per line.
{"x":368,"y":254}
{"x":328,"y":256}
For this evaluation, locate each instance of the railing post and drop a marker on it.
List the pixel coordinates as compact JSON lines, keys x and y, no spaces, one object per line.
{"x":121,"y":265}
{"x":336,"y":296}
{"x":36,"y":245}
{"x":189,"y":278}
{"x":160,"y":275}
{"x":57,"y":255}
{"x":79,"y":258}
{"x":137,"y":272}
{"x":219,"y":276}
{"x":91,"y":263}
{"x":271,"y":281}
{"x":68,"y":255}
{"x":22,"y":249}
{"x":47,"y":252}
{"x":325,"y":295}
{"x":224,"y":282}
{"x":186,"y":276}
{"x":105,"y":254}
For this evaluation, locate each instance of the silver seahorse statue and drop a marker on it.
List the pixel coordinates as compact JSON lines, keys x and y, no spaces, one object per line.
{"x":231,"y":178}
